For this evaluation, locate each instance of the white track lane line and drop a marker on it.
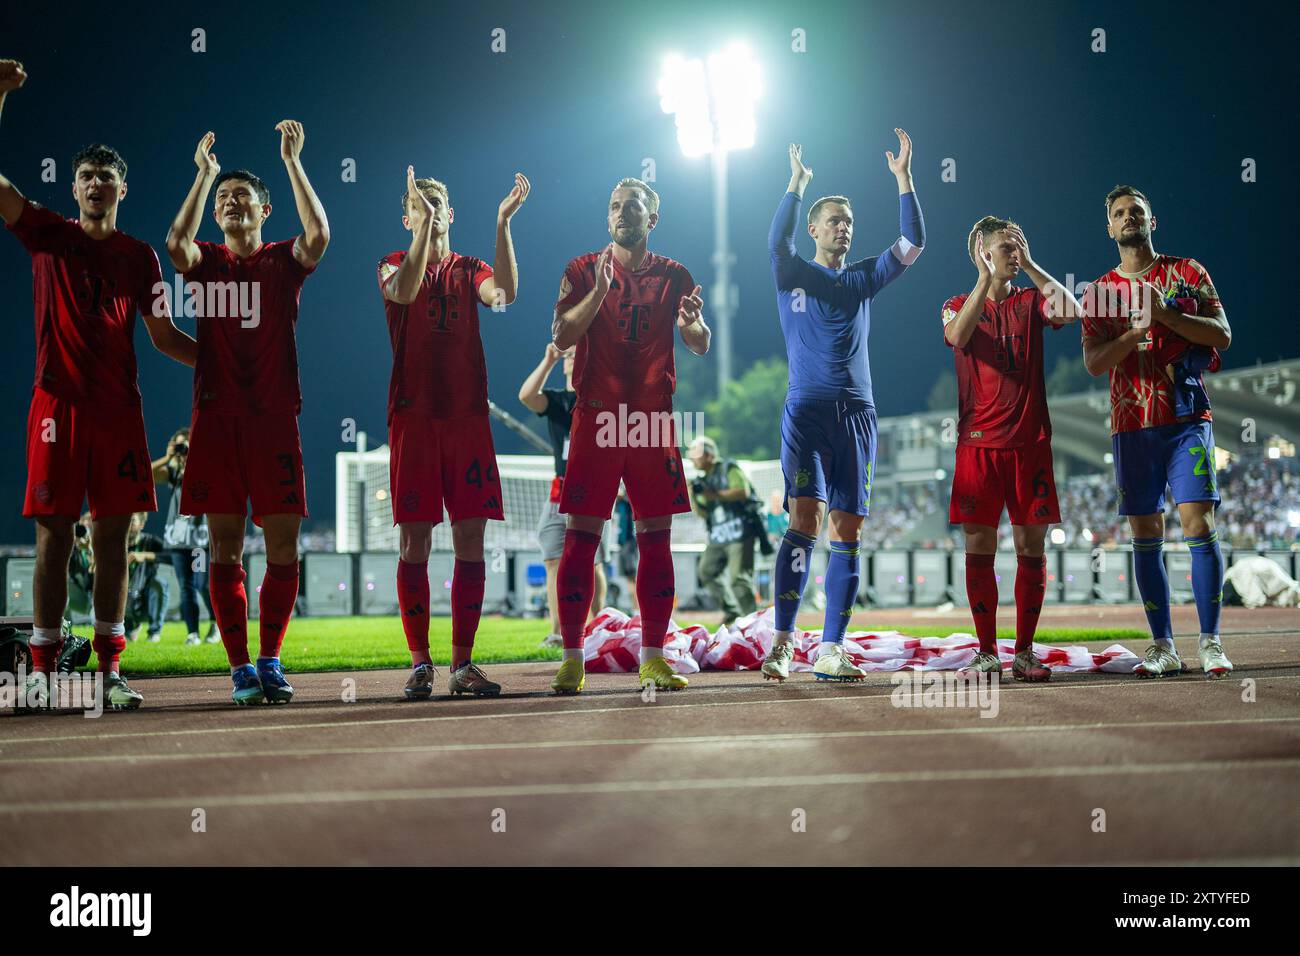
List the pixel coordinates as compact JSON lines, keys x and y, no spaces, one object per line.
{"x":321,"y":798}
{"x":850,"y":698}
{"x":724,"y":740}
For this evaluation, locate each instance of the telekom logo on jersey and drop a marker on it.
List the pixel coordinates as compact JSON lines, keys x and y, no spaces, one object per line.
{"x":638,"y":429}
{"x":210,"y":300}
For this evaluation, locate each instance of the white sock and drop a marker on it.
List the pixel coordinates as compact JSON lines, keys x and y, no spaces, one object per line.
{"x":573,"y":653}
{"x":649,"y":653}
{"x":45,"y":636}
{"x":1206,"y":638}
{"x":1166,"y":643}
{"x":784,"y":637}
{"x":106,"y":629}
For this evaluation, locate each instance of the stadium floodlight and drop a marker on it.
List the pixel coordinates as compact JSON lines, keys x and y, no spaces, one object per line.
{"x":712,"y":102}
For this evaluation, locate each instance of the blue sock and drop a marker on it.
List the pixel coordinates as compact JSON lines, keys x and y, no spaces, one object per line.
{"x":1207,"y":580}
{"x":842,"y":576}
{"x":1153,"y":586}
{"x":790,"y":576}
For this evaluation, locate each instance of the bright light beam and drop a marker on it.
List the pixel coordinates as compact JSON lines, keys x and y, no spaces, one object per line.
{"x":713,"y":105}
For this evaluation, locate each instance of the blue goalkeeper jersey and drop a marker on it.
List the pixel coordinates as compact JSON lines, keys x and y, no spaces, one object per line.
{"x":826,"y":313}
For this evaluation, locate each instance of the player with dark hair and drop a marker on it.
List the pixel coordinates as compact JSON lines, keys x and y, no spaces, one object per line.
{"x":440,"y":436}
{"x":619,"y":307}
{"x":85,"y":429}
{"x":1004,"y":437}
{"x":828,"y":428}
{"x":244,"y":442}
{"x":1155,"y":323}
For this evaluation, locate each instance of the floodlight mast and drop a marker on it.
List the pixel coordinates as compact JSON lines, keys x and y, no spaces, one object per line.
{"x":714,"y":111}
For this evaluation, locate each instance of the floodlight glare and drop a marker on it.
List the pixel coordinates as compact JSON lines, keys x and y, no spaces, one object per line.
{"x":714,"y":107}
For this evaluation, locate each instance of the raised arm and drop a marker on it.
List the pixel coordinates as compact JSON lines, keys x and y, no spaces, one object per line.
{"x":571,"y":324}
{"x":911,"y":224}
{"x":12,"y":76}
{"x":530,"y":393}
{"x":404,"y":285}
{"x":780,"y":237}
{"x":181,"y":248}
{"x":505,"y":270}
{"x":874,"y":274}
{"x":315,"y":227}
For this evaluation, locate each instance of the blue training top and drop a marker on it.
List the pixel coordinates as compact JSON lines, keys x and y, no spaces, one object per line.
{"x":826,"y":313}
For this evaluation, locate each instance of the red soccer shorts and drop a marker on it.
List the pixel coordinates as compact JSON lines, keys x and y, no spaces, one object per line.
{"x":1019,"y":479}
{"x":238,"y":459}
{"x":436,"y":460}
{"x":601,"y":454}
{"x":78,"y":451}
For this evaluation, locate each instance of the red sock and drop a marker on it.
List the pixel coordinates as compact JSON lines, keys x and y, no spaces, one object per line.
{"x":655,"y":585}
{"x":413,"y":600}
{"x":467,"y":582}
{"x":275,"y":606}
{"x":230,"y":605}
{"x":1031,"y":586}
{"x":575,"y":582}
{"x":982,"y":592}
{"x":45,"y":657}
{"x":108,"y":648}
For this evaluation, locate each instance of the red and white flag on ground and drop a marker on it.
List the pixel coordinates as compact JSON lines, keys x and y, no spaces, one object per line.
{"x":613,"y":641}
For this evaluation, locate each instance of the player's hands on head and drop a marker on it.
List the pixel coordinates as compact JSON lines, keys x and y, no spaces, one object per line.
{"x":688,"y":311}
{"x":797,"y":168}
{"x":901,"y":165}
{"x":291,"y":137}
{"x":514,"y":199}
{"x":605,"y":270}
{"x":12,"y":75}
{"x":204,"y":158}
{"x":554,"y":354}
{"x":1017,"y":236}
{"x":983,"y":259}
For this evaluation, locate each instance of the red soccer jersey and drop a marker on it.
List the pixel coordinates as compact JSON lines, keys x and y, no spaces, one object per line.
{"x":626,"y":356}
{"x":248,"y":353}
{"x":86,"y":292}
{"x":1141,"y":392}
{"x":1002,"y":401}
{"x":438,"y":363}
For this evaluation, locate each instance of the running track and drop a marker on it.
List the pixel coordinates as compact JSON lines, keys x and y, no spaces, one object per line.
{"x":1184,"y":769}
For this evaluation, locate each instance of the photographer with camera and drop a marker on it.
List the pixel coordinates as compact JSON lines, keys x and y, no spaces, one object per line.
{"x":725,"y":499}
{"x":186,"y":540}
{"x":81,"y":574}
{"x":146,"y":593}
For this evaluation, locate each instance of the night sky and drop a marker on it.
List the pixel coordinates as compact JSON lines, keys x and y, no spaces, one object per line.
{"x":1040,"y":127}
